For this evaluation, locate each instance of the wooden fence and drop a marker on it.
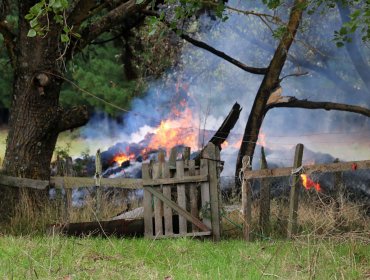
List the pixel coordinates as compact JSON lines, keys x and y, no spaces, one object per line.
{"x":185,"y":180}
{"x":177,"y":187}
{"x":264,"y":174}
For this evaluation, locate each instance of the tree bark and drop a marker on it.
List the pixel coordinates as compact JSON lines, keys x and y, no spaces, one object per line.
{"x":269,"y":83}
{"x":36,"y":118}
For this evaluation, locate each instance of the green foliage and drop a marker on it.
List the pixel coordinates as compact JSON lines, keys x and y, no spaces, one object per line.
{"x":272,"y":4}
{"x":45,"y":8}
{"x":359,"y":19}
{"x":99,"y":71}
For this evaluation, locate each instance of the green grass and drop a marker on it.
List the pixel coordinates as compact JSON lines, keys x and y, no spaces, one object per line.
{"x":94,"y":258}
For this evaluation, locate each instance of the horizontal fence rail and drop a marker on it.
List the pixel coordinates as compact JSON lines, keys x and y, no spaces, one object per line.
{"x":132,"y":183}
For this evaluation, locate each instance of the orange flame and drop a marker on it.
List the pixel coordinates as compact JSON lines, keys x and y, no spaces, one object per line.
{"x":172,"y":132}
{"x":308,"y":183}
{"x":122,"y":157}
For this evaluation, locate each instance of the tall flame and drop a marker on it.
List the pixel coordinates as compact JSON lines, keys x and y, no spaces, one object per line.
{"x":177,"y":131}
{"x":308,"y":183}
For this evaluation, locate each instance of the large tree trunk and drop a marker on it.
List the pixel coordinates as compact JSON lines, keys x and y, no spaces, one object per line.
{"x":269,"y":83}
{"x":36,"y":118}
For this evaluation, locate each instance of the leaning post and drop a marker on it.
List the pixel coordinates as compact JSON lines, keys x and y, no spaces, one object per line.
{"x":294,"y":192}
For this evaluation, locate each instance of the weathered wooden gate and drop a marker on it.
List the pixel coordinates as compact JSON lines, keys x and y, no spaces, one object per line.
{"x":182,"y":198}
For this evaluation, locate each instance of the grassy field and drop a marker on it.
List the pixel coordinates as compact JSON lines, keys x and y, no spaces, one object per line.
{"x":57,"y":257}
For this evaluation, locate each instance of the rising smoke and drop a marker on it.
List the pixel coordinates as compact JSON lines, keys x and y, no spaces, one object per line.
{"x":211,"y":86}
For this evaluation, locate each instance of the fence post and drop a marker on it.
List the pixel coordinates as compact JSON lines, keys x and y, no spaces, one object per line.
{"x":246,"y":201}
{"x":98,"y":173}
{"x":264,"y":199}
{"x":294,"y":191}
{"x":211,"y":153}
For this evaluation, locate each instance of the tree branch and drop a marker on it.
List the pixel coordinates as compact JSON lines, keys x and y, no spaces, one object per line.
{"x":83,"y":10}
{"x":237,"y":63}
{"x":111,"y":19}
{"x":202,"y":45}
{"x":305,"y":104}
{"x":73,"y":118}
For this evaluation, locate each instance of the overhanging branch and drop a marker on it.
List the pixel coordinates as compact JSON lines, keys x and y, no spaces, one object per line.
{"x":202,"y":45}
{"x":111,"y":19}
{"x":305,"y":104}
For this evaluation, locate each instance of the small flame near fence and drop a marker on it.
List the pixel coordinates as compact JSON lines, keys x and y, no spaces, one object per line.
{"x":309,"y":184}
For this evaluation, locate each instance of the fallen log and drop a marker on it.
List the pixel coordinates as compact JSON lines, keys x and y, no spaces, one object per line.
{"x":119,"y":228}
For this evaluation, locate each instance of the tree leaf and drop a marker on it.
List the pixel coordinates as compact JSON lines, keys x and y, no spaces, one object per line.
{"x":64,"y":38}
{"x":34,"y":22}
{"x":139,"y":2}
{"x":31,"y":33}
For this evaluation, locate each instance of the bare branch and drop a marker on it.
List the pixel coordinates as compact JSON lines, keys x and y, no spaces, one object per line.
{"x":202,"y":45}
{"x":294,"y":75}
{"x":305,"y":104}
{"x":83,"y":10}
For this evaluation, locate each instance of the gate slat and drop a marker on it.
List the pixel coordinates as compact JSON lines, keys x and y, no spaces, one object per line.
{"x":179,"y":209}
{"x":193,"y":195}
{"x":205,"y":193}
{"x":157,"y":202}
{"x":167,"y":211}
{"x":147,"y":202}
{"x":181,"y":196}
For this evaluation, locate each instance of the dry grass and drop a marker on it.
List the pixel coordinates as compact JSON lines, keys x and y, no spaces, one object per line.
{"x":317,"y":216}
{"x":35,"y":213}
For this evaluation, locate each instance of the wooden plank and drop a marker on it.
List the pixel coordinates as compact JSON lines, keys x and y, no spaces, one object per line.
{"x":193,"y":193}
{"x":264,"y":220}
{"x":190,"y":234}
{"x":98,"y":175}
{"x":172,"y":158}
{"x":158,"y":225}
{"x":308,"y":169}
{"x":213,"y":161}
{"x":147,"y":203}
{"x":181,"y":211}
{"x":181,"y":196}
{"x":204,"y":190}
{"x":246,"y":202}
{"x":23,"y":182}
{"x":294,"y":192}
{"x":77,"y":182}
{"x":175,"y":181}
{"x":167,"y":211}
